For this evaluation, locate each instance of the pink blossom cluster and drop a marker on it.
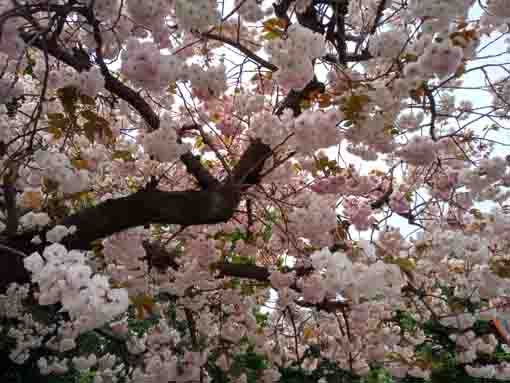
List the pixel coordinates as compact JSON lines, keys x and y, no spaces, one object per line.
{"x":315,"y":130}
{"x":145,"y":66}
{"x":271,"y":129}
{"x":64,"y":277}
{"x":164,"y":144}
{"x":313,"y":219}
{"x":250,"y":10}
{"x":197,"y":15}
{"x":124,"y":255}
{"x":294,"y":56}
{"x":419,"y":151}
{"x":209,"y":83}
{"x":359,"y":213}
{"x":57,"y":167}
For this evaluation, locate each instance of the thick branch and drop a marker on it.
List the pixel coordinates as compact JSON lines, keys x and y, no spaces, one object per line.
{"x":10,"y":203}
{"x":253,"y":272}
{"x":341,"y":43}
{"x":362,"y":56}
{"x":310,"y":19}
{"x":249,"y":167}
{"x":294,"y":98}
{"x":179,"y":208}
{"x":112,"y":216}
{"x":12,"y":269}
{"x":151,"y":206}
{"x":145,"y":207}
{"x":193,"y":165}
{"x":281,"y":8}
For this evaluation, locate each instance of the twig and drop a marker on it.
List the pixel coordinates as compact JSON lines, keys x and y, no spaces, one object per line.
{"x":249,"y":53}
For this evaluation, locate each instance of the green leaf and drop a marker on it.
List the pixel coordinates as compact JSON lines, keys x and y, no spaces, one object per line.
{"x":57,"y":124}
{"x":242,"y":260}
{"x":405,"y":264}
{"x":95,"y":125}
{"x":271,"y":35}
{"x":125,"y":155}
{"x":79,"y":163}
{"x":143,"y":304}
{"x":199,"y":143}
{"x":405,"y":320}
{"x":247,"y":289}
{"x":260,"y":317}
{"x":55,"y":116}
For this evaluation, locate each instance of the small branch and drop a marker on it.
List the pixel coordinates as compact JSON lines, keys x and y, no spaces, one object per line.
{"x":296,"y":340}
{"x":378,"y":14}
{"x":433,"y":112}
{"x":10,"y":202}
{"x":363,"y":56}
{"x":327,"y":306}
{"x":11,"y":252}
{"x":384,"y":199}
{"x":192,"y":328}
{"x":248,"y":52}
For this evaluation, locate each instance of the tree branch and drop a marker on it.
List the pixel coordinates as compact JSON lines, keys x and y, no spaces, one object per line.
{"x":251,"y":164}
{"x":341,"y":43}
{"x":10,"y":192}
{"x":433,"y":112}
{"x":378,"y":14}
{"x":294,"y":98}
{"x":248,"y":52}
{"x":193,"y":165}
{"x":150,"y":206}
{"x":112,"y":84}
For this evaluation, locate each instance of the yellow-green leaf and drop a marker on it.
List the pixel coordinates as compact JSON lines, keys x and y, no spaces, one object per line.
{"x":143,"y":304}
{"x":405,"y":264}
{"x":125,"y":155}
